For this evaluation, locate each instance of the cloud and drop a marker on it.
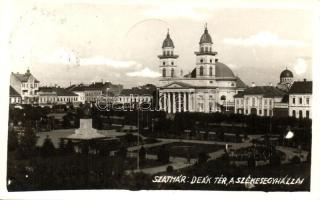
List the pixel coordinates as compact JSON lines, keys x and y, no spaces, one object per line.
{"x":174,"y":10}
{"x":145,"y":73}
{"x":70,"y":57}
{"x":263,"y":39}
{"x":118,"y":64}
{"x":61,"y":56}
{"x":300,"y":66}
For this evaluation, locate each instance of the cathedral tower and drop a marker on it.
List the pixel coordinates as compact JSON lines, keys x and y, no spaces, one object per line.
{"x":168,"y":60}
{"x":205,"y":57}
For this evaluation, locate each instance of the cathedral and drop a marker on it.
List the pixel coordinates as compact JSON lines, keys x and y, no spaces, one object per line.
{"x":209,"y":87}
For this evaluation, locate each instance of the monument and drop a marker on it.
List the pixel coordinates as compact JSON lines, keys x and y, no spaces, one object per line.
{"x":85,"y":131}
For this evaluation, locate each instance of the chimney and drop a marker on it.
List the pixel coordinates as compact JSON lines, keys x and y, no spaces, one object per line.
{"x":253,"y":84}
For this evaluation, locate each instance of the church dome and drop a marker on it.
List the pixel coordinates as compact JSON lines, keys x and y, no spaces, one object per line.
{"x":205,"y":38}
{"x":286,"y":74}
{"x":167,"y":42}
{"x":223,"y":70}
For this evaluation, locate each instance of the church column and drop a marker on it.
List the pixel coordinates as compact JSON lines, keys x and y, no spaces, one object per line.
{"x":160,"y":101}
{"x":174,"y":102}
{"x":179,"y":101}
{"x":165,"y":102}
{"x":184,"y":102}
{"x":189,"y":102}
{"x":169,"y":102}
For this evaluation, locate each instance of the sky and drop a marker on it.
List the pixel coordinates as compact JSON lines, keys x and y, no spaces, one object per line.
{"x":82,"y":41}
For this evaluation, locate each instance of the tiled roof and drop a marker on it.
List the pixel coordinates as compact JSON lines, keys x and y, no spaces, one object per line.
{"x":239,"y":95}
{"x":265,"y":91}
{"x":301,"y":87}
{"x":240,"y":83}
{"x":148,"y":89}
{"x":13,"y":92}
{"x":24,"y":77}
{"x":59,"y":91}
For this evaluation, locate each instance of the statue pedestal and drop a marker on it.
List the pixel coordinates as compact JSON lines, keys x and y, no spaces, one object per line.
{"x":86,"y":132}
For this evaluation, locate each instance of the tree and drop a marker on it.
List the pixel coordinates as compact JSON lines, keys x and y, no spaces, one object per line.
{"x":163,"y":155}
{"x":69,"y":147}
{"x":202,"y":157}
{"x":47,"y":149}
{"x":27,"y":144}
{"x":12,"y":140}
{"x":142,"y":155}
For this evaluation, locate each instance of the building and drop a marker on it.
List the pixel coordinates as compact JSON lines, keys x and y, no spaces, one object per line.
{"x":138,"y":95}
{"x":300,"y":99}
{"x":56,"y":96}
{"x":258,"y":100}
{"x":26,"y":85}
{"x":286,"y":80}
{"x":94,"y":91}
{"x":14,"y":96}
{"x":209,"y":87}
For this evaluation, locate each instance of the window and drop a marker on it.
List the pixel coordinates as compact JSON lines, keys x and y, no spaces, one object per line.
{"x":265,"y":102}
{"x":246,"y":111}
{"x":210,"y":71}
{"x":260,"y":112}
{"x":172,"y":63}
{"x":294,"y":113}
{"x":201,"y":60}
{"x":265,"y":112}
{"x":223,"y":98}
{"x":164,"y":63}
{"x":260,"y":102}
{"x":206,"y":49}
{"x":163,"y":72}
{"x":307,"y":101}
{"x":237,"y":101}
{"x":210,"y":60}
{"x":300,"y":100}
{"x":253,"y":101}
{"x":307,"y":114}
{"x":201,"y":71}
{"x":172,"y":72}
{"x":202,"y":49}
{"x":293,"y":100}
{"x":300,"y":114}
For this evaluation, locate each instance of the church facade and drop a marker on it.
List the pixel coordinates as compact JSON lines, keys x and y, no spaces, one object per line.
{"x":209,"y":87}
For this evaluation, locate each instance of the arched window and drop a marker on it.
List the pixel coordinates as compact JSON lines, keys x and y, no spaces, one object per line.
{"x":223,"y":98}
{"x":201,"y":71}
{"x":210,"y":71}
{"x":300,"y":114}
{"x":172,"y":72}
{"x":163,"y":72}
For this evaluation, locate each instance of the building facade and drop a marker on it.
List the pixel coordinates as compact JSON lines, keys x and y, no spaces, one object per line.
{"x":258,"y":100}
{"x":209,"y":87}
{"x":26,"y":85}
{"x":300,"y":99}
{"x":14,"y":96}
{"x":56,"y":96}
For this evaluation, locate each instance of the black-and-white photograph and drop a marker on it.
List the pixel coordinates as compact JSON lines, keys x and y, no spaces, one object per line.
{"x":156,"y":95}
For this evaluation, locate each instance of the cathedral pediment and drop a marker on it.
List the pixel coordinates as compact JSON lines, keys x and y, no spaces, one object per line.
{"x":177,"y":85}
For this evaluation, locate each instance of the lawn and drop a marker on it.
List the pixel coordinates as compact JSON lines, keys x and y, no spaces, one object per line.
{"x":183,"y":149}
